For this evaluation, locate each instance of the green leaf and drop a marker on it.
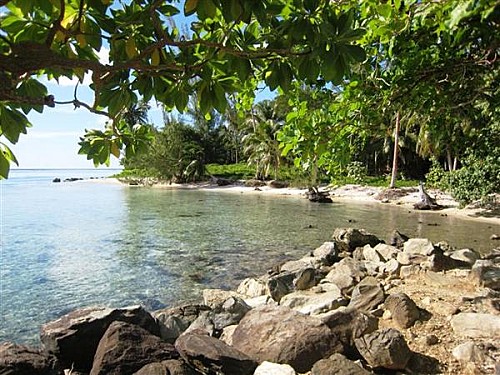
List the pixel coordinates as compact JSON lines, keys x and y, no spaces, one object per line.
{"x":6,"y":158}
{"x":190,"y":7}
{"x":357,"y":53}
{"x":12,"y":123}
{"x":206,"y":9}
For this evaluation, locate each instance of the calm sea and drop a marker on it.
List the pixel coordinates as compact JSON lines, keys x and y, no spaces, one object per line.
{"x":72,"y":244}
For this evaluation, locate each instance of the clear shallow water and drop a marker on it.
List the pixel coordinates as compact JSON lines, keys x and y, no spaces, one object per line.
{"x":75,"y":244}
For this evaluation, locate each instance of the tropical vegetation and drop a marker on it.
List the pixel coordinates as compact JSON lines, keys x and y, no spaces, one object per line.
{"x":401,"y":89}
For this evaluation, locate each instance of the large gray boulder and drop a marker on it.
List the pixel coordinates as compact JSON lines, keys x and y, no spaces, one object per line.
{"x":126,"y":348}
{"x":337,"y":364}
{"x":367,"y":295}
{"x":74,"y":337}
{"x":22,"y":360}
{"x":281,"y":335}
{"x":348,"y":239}
{"x":212,"y":356}
{"x":384,"y":348}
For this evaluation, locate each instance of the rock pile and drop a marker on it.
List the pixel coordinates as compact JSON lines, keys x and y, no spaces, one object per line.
{"x":354,"y":305}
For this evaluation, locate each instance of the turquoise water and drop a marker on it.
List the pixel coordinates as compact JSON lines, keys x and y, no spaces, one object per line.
{"x":82,"y":243}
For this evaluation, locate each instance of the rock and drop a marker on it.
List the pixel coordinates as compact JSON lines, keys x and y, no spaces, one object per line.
{"x":176,"y":320}
{"x":346,"y":273}
{"x":370,"y":254}
{"x":420,"y":246}
{"x":251,"y":287}
{"x":476,"y":325}
{"x":281,"y":335}
{"x":337,"y":364}
{"x":259,"y":301}
{"x":203,"y":324}
{"x":305,"y":279}
{"x":384,"y":348}
{"x":310,"y":303}
{"x":372,"y":268}
{"x":255,"y":183}
{"x":227,"y":334}
{"x":280,"y":285}
{"x":485,"y":273}
{"x":349,"y":239}
{"x":398,"y":239}
{"x":403,"y":309}
{"x":408,"y":271}
{"x":467,"y":256}
{"x":391,"y":268}
{"x":387,"y":252}
{"x":269,"y":368}
{"x":57,"y":179}
{"x":74,"y":337}
{"x":348,"y":324}
{"x":431,"y":340}
{"x":328,"y":253}
{"x":22,"y":360}
{"x":294,"y":266}
{"x":210,"y":355}
{"x":169,"y":367}
{"x":126,"y":348}
{"x":468,"y":352}
{"x":215,"y":297}
{"x":231,"y":312}
{"x":275,"y":184}
{"x":367,"y":295}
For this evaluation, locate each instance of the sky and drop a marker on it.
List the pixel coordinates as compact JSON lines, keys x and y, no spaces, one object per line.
{"x":52,"y":142}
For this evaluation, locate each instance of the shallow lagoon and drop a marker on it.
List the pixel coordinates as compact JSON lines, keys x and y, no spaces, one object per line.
{"x":75,"y":244}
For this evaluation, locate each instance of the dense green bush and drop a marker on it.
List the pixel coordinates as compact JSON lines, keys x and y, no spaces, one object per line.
{"x":437,"y":177}
{"x":476,"y":179}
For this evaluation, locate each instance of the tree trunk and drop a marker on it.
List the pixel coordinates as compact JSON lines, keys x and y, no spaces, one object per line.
{"x":448,"y":158}
{"x":396,"y":153}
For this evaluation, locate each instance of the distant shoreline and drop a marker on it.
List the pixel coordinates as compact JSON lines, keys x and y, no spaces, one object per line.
{"x":349,"y":193}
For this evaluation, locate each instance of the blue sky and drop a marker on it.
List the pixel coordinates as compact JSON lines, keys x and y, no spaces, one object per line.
{"x":52,"y":142}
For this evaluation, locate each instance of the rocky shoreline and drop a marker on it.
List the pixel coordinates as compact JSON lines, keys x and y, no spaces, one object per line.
{"x":354,"y":305}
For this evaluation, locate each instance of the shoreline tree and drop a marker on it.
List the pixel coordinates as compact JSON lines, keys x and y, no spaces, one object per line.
{"x":232,"y":45}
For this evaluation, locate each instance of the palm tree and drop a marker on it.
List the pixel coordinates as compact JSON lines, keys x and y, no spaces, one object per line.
{"x":260,"y":142}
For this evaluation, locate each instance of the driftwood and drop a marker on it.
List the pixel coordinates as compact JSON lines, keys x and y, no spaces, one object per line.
{"x":314,"y":195}
{"x":426,"y":201}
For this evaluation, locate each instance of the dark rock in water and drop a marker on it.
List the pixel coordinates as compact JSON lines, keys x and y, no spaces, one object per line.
{"x":280,"y":335}
{"x":349,"y":239}
{"x":74,"y":337}
{"x":72,"y":179}
{"x":212,"y":356}
{"x":403,"y":309}
{"x":169,"y":367}
{"x":385,"y":348}
{"x":337,"y":364}
{"x":22,"y":360}
{"x":126,"y":348}
{"x":57,"y":179}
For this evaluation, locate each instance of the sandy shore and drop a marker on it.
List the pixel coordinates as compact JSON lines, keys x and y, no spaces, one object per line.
{"x":405,"y":197}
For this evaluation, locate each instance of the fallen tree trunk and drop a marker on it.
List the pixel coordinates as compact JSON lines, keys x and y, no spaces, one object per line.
{"x":426,"y":201}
